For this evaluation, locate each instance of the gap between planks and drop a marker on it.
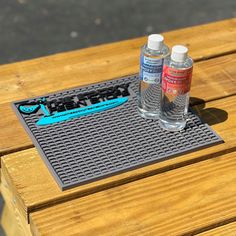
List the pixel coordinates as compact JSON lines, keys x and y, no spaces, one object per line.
{"x":34,"y":187}
{"x":183,"y":201}
{"x":228,"y":229}
{"x":24,"y":76}
{"x":22,"y":79}
{"x":212,"y":79}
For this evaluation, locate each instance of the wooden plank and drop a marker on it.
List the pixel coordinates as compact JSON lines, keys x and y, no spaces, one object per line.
{"x":39,"y":76}
{"x":179,"y":202}
{"x":10,"y":224}
{"x":44,"y":75}
{"x":212,"y":79}
{"x":12,"y":215}
{"x":34,"y":187}
{"x":225,"y":230}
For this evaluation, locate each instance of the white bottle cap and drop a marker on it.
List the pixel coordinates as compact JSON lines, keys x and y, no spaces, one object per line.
{"x":155,"y":41}
{"x":179,"y":53}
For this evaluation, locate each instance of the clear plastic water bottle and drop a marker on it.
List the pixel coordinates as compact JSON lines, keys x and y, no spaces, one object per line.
{"x":151,"y":65}
{"x":176,"y":82}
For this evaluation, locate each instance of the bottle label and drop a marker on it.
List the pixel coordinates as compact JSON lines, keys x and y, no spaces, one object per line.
{"x":176,"y":81}
{"x":151,"y":69}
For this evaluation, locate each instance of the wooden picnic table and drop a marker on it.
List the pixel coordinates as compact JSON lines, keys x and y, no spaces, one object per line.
{"x":191,"y":194}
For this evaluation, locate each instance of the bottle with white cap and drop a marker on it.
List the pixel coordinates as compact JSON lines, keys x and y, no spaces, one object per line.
{"x":151,"y":65}
{"x":176,"y":82}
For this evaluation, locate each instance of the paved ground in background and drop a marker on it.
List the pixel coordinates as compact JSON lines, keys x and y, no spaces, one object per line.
{"x":31,"y":28}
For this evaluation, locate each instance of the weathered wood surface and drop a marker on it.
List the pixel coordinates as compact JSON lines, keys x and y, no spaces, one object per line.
{"x":184,"y":201}
{"x":43,"y":75}
{"x":40,"y":76}
{"x":9,"y":223}
{"x":12,"y":220}
{"x":224,"y":230}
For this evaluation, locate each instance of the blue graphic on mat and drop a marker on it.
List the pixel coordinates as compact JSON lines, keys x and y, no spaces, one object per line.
{"x":33,"y":107}
{"x":47,"y":119}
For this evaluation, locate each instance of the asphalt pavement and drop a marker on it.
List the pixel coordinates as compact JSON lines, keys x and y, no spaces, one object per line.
{"x":31,"y":28}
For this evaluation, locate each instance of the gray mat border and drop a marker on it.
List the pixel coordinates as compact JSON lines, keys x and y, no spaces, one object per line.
{"x":68,"y":186}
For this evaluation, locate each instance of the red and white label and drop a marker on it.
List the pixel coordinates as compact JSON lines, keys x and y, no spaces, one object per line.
{"x":176,"y":81}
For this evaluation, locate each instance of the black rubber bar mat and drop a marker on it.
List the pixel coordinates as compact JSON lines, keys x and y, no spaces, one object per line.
{"x":89,"y":133}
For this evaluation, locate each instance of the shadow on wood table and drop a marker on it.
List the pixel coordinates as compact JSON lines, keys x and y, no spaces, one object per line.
{"x":210,"y":115}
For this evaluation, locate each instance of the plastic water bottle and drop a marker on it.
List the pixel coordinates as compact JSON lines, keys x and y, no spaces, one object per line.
{"x":176,"y":82}
{"x":151,"y":65}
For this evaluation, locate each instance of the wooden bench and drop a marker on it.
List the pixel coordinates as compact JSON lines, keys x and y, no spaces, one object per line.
{"x":191,"y":194}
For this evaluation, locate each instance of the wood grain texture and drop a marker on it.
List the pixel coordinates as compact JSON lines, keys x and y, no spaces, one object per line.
{"x":77,"y":68}
{"x":34,"y":187}
{"x":43,"y":75}
{"x":12,"y":214}
{"x":225,"y":230}
{"x":9,"y":223}
{"x":184,"y":201}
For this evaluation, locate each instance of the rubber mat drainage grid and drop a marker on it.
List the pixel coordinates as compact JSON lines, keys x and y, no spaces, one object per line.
{"x":94,"y":146}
